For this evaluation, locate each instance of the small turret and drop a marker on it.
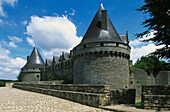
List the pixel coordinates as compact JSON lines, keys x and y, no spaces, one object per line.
{"x":34,"y":60}
{"x":34,"y":68}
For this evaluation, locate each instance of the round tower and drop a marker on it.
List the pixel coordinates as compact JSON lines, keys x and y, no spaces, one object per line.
{"x":102,"y":57}
{"x":32,"y":69}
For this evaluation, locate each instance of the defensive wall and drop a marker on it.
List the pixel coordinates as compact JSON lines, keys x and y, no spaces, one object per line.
{"x":92,"y":95}
{"x":137,"y":79}
{"x":163,"y":78}
{"x":156,"y":97}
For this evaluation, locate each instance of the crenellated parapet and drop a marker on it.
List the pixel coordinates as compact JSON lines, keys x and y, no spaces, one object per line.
{"x":104,"y":48}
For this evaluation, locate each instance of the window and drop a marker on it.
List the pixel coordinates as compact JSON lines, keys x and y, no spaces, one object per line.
{"x":99,"y":24}
{"x":33,"y":68}
{"x":101,"y":44}
{"x":84,"y":46}
{"x":38,"y":76}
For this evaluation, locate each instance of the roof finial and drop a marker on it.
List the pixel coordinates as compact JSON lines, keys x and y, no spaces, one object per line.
{"x":101,"y":5}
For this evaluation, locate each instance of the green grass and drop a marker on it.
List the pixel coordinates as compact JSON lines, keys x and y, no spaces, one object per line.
{"x":138,"y":104}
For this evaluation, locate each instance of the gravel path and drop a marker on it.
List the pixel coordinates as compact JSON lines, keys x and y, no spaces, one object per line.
{"x":15,"y":100}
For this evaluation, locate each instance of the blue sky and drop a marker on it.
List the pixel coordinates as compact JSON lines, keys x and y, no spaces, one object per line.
{"x":58,"y":25}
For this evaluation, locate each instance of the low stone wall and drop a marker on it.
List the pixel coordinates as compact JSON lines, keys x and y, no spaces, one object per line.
{"x":156,"y":97}
{"x":93,"y":95}
{"x":123,"y":96}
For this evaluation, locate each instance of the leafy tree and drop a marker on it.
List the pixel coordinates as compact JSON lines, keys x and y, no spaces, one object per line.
{"x":151,"y":64}
{"x":19,"y":77}
{"x":159,"y":21}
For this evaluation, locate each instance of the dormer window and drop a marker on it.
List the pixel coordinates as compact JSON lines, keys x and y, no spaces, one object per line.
{"x":99,"y":24}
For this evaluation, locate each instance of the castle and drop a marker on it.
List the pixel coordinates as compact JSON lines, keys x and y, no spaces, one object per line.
{"x":102,"y":57}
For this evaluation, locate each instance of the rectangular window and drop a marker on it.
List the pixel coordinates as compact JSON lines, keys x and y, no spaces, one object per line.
{"x":38,"y":76}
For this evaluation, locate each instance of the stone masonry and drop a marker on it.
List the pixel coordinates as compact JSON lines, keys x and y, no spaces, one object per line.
{"x":156,"y":97}
{"x":93,"y":95}
{"x":15,"y":100}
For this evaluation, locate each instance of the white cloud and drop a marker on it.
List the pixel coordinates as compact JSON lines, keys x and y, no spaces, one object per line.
{"x":139,"y":49}
{"x":55,"y":14}
{"x":53,"y":34}
{"x":1,"y":21}
{"x":44,"y":10}
{"x":10,"y":23}
{"x":9,"y":67}
{"x":15,"y":39}
{"x":137,"y":42}
{"x":24,"y":22}
{"x":73,"y":12}
{"x":12,"y":44}
{"x":54,"y":52}
{"x":30,"y":41}
{"x":6,"y":2}
{"x":138,"y":52}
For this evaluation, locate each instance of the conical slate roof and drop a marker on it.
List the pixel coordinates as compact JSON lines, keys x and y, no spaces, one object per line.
{"x":35,"y":60}
{"x":101,"y":29}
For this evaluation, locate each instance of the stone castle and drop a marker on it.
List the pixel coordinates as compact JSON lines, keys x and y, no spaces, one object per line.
{"x":102,"y":57}
{"x":96,"y":72}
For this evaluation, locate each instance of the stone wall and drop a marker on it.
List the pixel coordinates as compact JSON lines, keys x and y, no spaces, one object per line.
{"x":156,"y":97}
{"x":30,"y":74}
{"x":139,"y":78}
{"x":123,"y":96}
{"x":61,"y":70}
{"x":105,"y":64}
{"x":163,"y":78}
{"x":93,"y":95}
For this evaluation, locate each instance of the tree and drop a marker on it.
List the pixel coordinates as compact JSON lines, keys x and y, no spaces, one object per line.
{"x":151,"y":64}
{"x":159,"y":21}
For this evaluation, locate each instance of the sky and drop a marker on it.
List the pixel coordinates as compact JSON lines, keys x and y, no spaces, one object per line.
{"x":59,"y":25}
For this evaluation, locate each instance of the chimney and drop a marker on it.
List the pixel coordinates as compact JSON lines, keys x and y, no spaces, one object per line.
{"x":46,"y":62}
{"x":28,"y":58}
{"x":53,"y":59}
{"x":127,"y":37}
{"x":104,"y":19}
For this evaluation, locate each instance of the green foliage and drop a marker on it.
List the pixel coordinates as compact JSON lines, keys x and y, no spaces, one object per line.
{"x":131,"y":69}
{"x":151,"y":64}
{"x":159,"y":21}
{"x":52,"y":77}
{"x":131,"y":82}
{"x":138,"y":104}
{"x":2,"y":84}
{"x":19,"y":77}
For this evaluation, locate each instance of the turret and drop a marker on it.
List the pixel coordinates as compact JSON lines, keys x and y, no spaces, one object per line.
{"x":102,"y":56}
{"x":32,"y":69}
